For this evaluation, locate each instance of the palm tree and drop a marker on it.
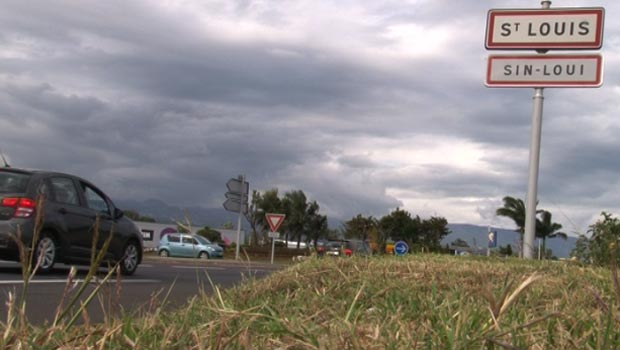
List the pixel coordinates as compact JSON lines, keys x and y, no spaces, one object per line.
{"x":514,"y":208}
{"x":546,"y":228}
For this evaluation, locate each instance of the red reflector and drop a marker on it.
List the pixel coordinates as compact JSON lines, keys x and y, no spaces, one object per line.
{"x":10,"y":202}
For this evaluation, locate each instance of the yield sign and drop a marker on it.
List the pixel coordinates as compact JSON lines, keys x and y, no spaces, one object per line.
{"x":274,"y":221}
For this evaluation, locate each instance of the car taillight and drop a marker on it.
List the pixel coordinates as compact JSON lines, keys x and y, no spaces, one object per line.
{"x":24,"y":207}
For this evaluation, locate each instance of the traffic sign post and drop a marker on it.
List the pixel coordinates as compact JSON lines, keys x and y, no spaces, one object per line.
{"x":237,"y":201}
{"x":274,"y":221}
{"x":401,"y":248}
{"x":237,"y":186}
{"x":541,"y":30}
{"x":235,"y":205}
{"x":237,"y":195}
{"x":492,"y":241}
{"x":545,"y":71}
{"x":560,"y":28}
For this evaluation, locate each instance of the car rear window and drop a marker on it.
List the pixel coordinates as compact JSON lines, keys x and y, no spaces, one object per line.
{"x":11,"y":182}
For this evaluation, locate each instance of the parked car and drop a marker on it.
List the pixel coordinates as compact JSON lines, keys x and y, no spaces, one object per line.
{"x":70,"y":206}
{"x":347,"y":247}
{"x":333,"y":248}
{"x":357,"y":247}
{"x":188,"y":246}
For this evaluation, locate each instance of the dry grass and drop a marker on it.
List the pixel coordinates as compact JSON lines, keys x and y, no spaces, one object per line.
{"x":417,"y":302}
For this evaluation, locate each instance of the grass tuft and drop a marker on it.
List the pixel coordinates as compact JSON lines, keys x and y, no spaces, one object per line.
{"x":413,"y":302}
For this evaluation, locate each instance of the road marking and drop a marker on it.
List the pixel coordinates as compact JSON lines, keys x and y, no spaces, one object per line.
{"x":255,"y":271}
{"x":8,"y":282}
{"x":197,"y":267}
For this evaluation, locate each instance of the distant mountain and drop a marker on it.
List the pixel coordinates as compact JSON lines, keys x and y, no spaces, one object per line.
{"x":212,"y":217}
{"x":165,"y":213}
{"x":477,"y":236}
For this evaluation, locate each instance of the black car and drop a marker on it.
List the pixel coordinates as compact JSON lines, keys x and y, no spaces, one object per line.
{"x":70,"y":208}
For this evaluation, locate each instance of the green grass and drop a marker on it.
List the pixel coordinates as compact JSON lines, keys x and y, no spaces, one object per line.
{"x":415,"y":302}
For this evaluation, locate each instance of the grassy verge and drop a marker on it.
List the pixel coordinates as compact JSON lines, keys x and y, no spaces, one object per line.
{"x":417,"y":302}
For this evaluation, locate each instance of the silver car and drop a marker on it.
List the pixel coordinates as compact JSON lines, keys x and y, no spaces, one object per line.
{"x":188,"y":246}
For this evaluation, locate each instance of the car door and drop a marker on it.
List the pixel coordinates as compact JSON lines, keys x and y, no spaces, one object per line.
{"x":71,"y":220}
{"x":98,"y":206}
{"x":187,"y":246}
{"x":174,"y":244}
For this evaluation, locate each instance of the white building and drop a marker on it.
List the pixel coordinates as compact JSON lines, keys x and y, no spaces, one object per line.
{"x":152,"y":232}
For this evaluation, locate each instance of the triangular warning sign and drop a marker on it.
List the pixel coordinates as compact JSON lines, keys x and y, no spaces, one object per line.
{"x":274,"y":221}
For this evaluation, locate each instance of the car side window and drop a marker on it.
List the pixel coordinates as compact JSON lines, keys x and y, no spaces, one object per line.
{"x":94,"y":200}
{"x":64,"y":191}
{"x":173,"y":239}
{"x":188,"y":240}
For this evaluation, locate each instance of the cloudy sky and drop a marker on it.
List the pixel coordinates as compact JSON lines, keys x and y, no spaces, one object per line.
{"x":364,"y":105}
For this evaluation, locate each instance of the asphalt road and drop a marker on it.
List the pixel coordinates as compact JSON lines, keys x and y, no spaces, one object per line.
{"x":141,"y":293}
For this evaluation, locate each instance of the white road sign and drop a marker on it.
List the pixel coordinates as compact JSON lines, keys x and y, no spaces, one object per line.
{"x":234,"y":185}
{"x":544,"y":71}
{"x":235,"y":206}
{"x":558,"y":28}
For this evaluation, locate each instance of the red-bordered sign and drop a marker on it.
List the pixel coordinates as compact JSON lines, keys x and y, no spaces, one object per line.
{"x":558,"y":28}
{"x":544,"y":71}
{"x":275,"y":221}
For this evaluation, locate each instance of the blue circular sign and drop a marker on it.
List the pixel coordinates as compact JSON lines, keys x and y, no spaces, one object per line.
{"x":401,"y":248}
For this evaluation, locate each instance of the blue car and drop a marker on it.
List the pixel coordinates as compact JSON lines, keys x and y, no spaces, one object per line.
{"x":187,"y":245}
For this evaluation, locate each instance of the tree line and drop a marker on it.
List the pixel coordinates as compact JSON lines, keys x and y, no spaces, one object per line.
{"x":304,"y":222}
{"x":599,"y":246}
{"x":423,"y":235}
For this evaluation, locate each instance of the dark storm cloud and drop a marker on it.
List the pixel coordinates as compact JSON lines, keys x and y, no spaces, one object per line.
{"x":158,"y":101}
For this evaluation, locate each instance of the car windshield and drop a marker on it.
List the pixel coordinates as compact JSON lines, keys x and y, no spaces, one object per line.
{"x":11,"y":182}
{"x":202,"y":240}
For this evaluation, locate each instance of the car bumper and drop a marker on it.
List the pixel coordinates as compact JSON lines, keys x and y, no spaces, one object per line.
{"x":9,"y":233}
{"x":216,"y":255}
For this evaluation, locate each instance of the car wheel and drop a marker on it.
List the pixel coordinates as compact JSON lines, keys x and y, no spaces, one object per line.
{"x":164,"y":253}
{"x":203,"y":255}
{"x":131,"y":255}
{"x":46,"y":252}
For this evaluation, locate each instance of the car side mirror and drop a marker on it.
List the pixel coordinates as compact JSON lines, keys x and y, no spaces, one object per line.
{"x":118,"y":213}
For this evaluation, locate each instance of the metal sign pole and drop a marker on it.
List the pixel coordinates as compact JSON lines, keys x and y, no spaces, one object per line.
{"x":242,"y":178}
{"x":274,"y":221}
{"x":273,"y":248}
{"x":532,"y":189}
